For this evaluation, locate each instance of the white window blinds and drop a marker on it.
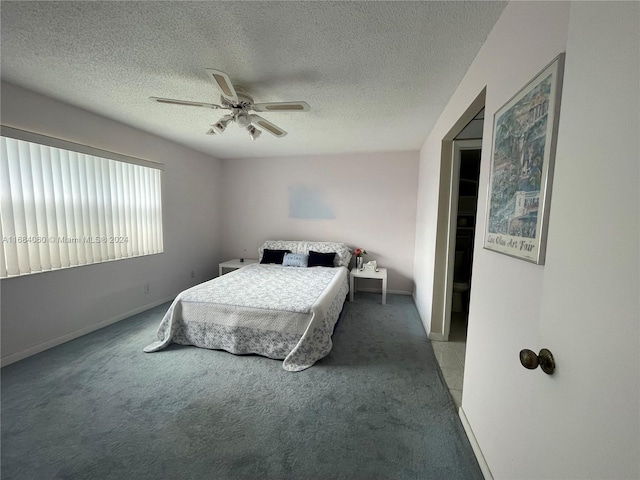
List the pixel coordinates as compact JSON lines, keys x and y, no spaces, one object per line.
{"x":62,"y":208}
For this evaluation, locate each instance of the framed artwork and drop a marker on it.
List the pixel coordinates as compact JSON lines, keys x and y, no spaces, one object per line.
{"x":523,"y":153}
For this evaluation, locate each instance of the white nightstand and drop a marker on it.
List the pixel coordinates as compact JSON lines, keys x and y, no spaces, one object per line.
{"x":235,"y":264}
{"x":381,"y":274}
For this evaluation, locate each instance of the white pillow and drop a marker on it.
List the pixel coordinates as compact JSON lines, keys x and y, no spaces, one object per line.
{"x":295,"y":260}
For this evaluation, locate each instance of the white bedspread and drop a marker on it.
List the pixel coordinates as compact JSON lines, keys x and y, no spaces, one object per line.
{"x":279,"y":312}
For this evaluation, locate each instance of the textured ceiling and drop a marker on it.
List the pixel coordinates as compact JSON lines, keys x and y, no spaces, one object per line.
{"x":376,"y":74}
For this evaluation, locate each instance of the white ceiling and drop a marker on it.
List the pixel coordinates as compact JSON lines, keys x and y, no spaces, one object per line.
{"x":376,"y":74}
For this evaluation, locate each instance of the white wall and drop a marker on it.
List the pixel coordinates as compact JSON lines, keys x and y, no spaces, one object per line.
{"x":527,"y":37}
{"x":41,"y":310}
{"x":373,"y":197}
{"x":583,"y":304}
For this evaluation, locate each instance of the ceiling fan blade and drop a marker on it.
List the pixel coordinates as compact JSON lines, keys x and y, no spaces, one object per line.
{"x":282,"y":107}
{"x":260,"y":122}
{"x":184,"y":102}
{"x":223,"y":82}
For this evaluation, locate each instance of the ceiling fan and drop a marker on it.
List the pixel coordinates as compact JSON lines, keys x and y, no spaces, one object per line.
{"x":236,"y":99}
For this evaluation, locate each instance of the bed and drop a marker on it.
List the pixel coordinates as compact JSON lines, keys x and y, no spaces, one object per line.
{"x":278,"y":311}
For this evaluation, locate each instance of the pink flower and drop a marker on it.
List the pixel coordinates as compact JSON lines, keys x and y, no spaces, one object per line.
{"x":359,"y":252}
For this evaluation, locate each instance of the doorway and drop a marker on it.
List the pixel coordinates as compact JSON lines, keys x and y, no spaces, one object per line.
{"x":464,"y":201}
{"x":464,"y":175}
{"x":457,"y":227}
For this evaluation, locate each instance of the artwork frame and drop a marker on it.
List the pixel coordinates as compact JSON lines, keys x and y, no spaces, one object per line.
{"x":525,"y":131}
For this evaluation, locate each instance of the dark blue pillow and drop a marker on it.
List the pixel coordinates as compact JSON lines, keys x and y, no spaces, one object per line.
{"x":273,"y":256}
{"x":317,"y":259}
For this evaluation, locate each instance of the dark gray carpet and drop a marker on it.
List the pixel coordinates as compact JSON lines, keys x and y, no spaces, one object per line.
{"x":100,"y":408}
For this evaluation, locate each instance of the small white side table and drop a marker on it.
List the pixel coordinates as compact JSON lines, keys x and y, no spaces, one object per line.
{"x":381,"y":274}
{"x":234,"y":264}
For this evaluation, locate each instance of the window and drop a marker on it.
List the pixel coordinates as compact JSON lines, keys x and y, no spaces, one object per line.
{"x":64,"y":205}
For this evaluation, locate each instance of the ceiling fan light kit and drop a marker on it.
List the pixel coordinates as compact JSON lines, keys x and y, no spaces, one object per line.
{"x":254,"y":133}
{"x":242,"y":119}
{"x":235,"y":98}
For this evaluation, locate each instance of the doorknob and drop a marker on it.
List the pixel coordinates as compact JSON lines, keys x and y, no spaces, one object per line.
{"x":530,"y":360}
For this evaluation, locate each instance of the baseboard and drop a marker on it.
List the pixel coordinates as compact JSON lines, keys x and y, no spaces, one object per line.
{"x":437,"y":337}
{"x":15,"y":357}
{"x":474,"y":444}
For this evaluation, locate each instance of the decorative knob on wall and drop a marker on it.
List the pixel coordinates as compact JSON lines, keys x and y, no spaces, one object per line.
{"x":530,"y":360}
